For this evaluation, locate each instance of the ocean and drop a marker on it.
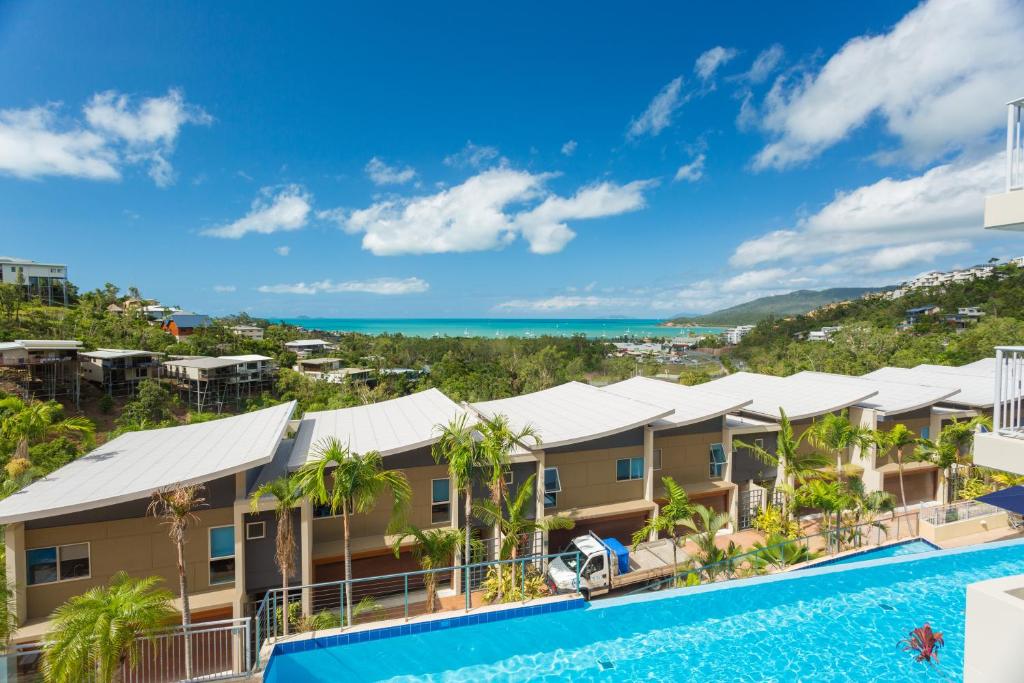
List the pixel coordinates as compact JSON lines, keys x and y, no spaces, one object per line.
{"x":500,"y":327}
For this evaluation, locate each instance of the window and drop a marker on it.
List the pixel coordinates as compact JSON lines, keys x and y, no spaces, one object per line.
{"x":629,"y":469}
{"x":552,"y":486}
{"x":440,"y":501}
{"x":222,"y":555}
{"x":925,"y":432}
{"x":509,"y":478}
{"x":57,"y":563}
{"x":717,"y":460}
{"x":255,"y":531}
{"x":595,"y":566}
{"x":759,"y":443}
{"x":657,"y":458}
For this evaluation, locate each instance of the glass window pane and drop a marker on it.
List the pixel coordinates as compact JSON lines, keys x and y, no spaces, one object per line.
{"x":622,"y":469}
{"x":717,"y":454}
{"x":552,"y":482}
{"x":42,"y":565}
{"x":636,"y":468}
{"x":925,"y":431}
{"x":222,"y":542}
{"x":74,"y":561}
{"x":439,"y":490}
{"x":222,"y":571}
{"x":439,"y":513}
{"x":657,"y":458}
{"x":550,"y":500}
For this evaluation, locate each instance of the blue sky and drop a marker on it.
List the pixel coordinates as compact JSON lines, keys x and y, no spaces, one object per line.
{"x":535,"y":159}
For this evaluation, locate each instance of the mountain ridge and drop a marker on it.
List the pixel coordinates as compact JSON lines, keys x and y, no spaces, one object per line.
{"x":792,"y":303}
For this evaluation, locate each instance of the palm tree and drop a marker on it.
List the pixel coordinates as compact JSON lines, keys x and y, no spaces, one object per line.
{"x":351,"y":483}
{"x":837,"y":435}
{"x":705,"y":525}
{"x":898,"y":438}
{"x":176,"y":507}
{"x":458,"y":446}
{"x":953,"y":445}
{"x":672,"y":515}
{"x":433,"y":549}
{"x":831,"y":497}
{"x":31,"y":423}
{"x":100,"y":630}
{"x":797,"y":467}
{"x":515,"y":526}
{"x":779,"y":552}
{"x":286,"y":495}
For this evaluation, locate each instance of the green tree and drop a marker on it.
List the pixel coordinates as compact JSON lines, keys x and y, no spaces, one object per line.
{"x":176,"y":507}
{"x":458,"y":446}
{"x":98,"y":632}
{"x":897,"y":439}
{"x":350,"y":484}
{"x":152,"y":407}
{"x":780,"y":552}
{"x":30,"y":423}
{"x":669,"y":519}
{"x":831,"y":497}
{"x":705,"y":525}
{"x":837,"y":435}
{"x":434,"y":549}
{"x":286,"y":494}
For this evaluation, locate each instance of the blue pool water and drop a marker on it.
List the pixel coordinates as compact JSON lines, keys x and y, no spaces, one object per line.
{"x":838,"y":623}
{"x":895,"y":550}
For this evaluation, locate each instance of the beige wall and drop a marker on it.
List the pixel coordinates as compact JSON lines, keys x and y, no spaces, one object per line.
{"x":588,"y":477}
{"x":139,"y":546}
{"x":686,"y":457}
{"x":915,"y":424}
{"x":375,"y":522}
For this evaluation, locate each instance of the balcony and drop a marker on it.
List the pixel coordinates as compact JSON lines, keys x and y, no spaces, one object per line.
{"x":1006,"y":211}
{"x":1003,"y":447}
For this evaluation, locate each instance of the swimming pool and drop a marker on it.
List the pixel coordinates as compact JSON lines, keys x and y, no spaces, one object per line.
{"x":837,"y":623}
{"x":911,"y":547}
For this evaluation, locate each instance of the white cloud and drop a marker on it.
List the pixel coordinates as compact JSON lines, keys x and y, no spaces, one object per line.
{"x":710,"y":61}
{"x":472,"y":156}
{"x":563,"y":302}
{"x":386,"y":286}
{"x":486,"y":211}
{"x":943,"y":203}
{"x":693,"y":171}
{"x":765,"y":64}
{"x":658,"y":114}
{"x":755,"y":279}
{"x":274,"y":210}
{"x":935,"y":80}
{"x":224,"y":289}
{"x":890,"y":259}
{"x":569,"y":148}
{"x":382,"y":174}
{"x":35,"y":143}
{"x":32,"y":145}
{"x":282,"y":251}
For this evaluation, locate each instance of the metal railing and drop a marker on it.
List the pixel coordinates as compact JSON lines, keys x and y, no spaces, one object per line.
{"x":780,"y":557}
{"x":957,"y":512}
{"x":1015,"y":145}
{"x":319,"y":606}
{"x":220,"y":651}
{"x":1008,"y":410}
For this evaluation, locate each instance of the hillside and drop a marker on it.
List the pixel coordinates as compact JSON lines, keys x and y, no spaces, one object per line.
{"x":794,"y":303}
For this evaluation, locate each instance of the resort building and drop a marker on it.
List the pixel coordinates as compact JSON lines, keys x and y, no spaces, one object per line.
{"x":182,"y":325}
{"x":78,"y":526}
{"x":48,"y":281}
{"x":304,"y":348}
{"x":734,"y":335}
{"x":117,"y":372}
{"x":247,"y":331}
{"x":1005,"y":211}
{"x":42,"y":369}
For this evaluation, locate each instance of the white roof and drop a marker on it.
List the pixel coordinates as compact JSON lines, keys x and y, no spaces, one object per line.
{"x":117,"y":353}
{"x":388,"y":427}
{"x":976,"y":390}
{"x":691,"y":404}
{"x":248,"y":357}
{"x":741,"y":423}
{"x":202,"y":362}
{"x":892,"y":397}
{"x":306,"y":342}
{"x":318,"y":361}
{"x":572,"y":412}
{"x":986,"y":365}
{"x":985,"y":368}
{"x":39,"y":344}
{"x":800,"y":397}
{"x":136,"y":464}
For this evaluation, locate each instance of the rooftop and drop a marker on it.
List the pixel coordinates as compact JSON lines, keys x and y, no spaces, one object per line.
{"x":891,"y":397}
{"x":106,"y":354}
{"x":48,"y":344}
{"x":248,"y":358}
{"x":134,"y":465}
{"x":319,"y":361}
{"x":388,"y":427}
{"x":690,"y":404}
{"x":800,"y":397}
{"x":976,"y":390}
{"x":573,"y":412}
{"x":189,"y":319}
{"x":307,"y":342}
{"x":203,"y":363}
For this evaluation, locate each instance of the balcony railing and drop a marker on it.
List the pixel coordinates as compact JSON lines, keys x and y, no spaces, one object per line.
{"x":1015,"y":145}
{"x":1008,"y":410}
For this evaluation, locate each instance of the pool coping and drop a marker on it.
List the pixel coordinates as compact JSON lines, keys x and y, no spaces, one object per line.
{"x":791,"y":575}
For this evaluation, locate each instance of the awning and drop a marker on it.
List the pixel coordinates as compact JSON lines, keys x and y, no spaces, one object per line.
{"x":1010,"y":499}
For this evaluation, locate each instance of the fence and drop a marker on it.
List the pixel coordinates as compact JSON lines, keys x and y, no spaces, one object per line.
{"x":220,"y":651}
{"x":1008,"y":411}
{"x":770,"y":559}
{"x":1015,"y":146}
{"x":958,"y":512}
{"x":400,"y":596}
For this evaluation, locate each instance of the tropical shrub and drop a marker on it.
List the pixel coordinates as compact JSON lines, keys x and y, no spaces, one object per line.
{"x":510,"y":585}
{"x":771,"y":521}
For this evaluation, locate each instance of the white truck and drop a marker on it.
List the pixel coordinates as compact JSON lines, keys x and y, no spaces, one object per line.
{"x":606,"y":565}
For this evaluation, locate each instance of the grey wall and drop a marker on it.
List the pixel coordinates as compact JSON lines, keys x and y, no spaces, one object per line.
{"x":745,"y":466}
{"x":261,"y":570}
{"x":633,"y":437}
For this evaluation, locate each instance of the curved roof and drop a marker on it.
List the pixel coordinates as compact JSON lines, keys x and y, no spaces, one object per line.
{"x":892,"y":397}
{"x":388,"y":427}
{"x":800,"y":397}
{"x":691,"y":404}
{"x":976,"y":390}
{"x":572,"y":412}
{"x":136,"y":464}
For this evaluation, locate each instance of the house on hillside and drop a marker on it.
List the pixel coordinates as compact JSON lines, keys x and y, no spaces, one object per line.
{"x":182,"y":325}
{"x":48,"y":281}
{"x":43,"y":369}
{"x":304,"y":348}
{"x":247,"y":331}
{"x":919,"y":313}
{"x":965,"y":317}
{"x":117,"y":372}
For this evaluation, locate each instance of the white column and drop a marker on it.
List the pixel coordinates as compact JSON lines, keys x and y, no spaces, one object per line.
{"x":306,"y":553}
{"x":539,"y":502}
{"x":734,"y":499}
{"x":14,"y":540}
{"x":455,"y":509}
{"x":238,"y":608}
{"x":649,"y":473}
{"x":868,"y":458}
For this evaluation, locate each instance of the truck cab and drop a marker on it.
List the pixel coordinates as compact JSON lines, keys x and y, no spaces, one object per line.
{"x":597,"y":562}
